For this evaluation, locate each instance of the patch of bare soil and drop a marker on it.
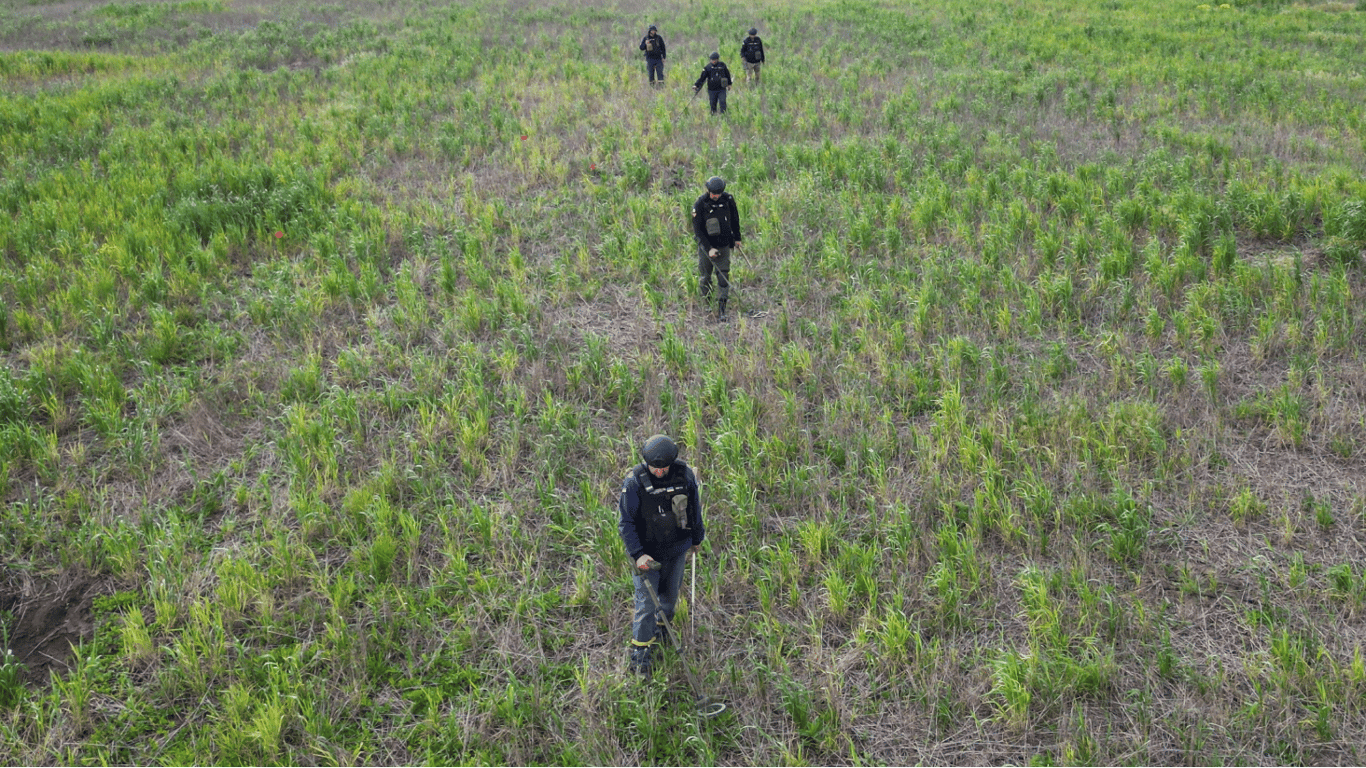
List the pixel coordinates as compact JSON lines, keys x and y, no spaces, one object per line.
{"x":45,"y":618}
{"x":619,"y":315}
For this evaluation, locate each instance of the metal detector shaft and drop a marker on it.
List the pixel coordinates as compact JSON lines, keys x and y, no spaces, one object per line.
{"x":692,"y":597}
{"x":706,"y":707}
{"x":655,"y":565}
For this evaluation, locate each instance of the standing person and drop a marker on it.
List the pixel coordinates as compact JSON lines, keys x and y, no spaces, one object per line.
{"x":716,"y":225}
{"x":661,"y":520}
{"x":653,"y":45}
{"x":717,"y":78}
{"x":752,"y":55}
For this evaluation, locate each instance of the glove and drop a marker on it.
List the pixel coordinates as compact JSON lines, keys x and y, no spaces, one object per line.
{"x":711,"y":254}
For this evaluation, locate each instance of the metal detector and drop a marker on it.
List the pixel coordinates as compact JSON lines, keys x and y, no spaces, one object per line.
{"x":734,"y":292}
{"x":706,"y":706}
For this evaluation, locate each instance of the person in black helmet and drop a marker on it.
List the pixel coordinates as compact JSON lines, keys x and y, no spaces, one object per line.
{"x":716,"y":225}
{"x":661,"y":520}
{"x":653,"y":45}
{"x":752,"y":55}
{"x":717,"y":78}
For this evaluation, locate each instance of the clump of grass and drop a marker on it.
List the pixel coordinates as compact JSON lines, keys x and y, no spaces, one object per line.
{"x":1246,"y":506}
{"x":11,"y":682}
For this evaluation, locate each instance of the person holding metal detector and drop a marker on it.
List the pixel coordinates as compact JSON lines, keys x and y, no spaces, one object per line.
{"x":716,"y":225}
{"x":661,"y":524}
{"x":716,"y":76}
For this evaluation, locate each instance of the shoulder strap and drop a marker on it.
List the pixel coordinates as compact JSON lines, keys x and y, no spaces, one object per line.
{"x":647,"y":482}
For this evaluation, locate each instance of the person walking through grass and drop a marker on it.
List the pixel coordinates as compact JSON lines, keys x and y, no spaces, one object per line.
{"x":661,"y":521}
{"x":752,"y":55}
{"x":716,"y":76}
{"x":655,"y":53}
{"x":716,"y":225}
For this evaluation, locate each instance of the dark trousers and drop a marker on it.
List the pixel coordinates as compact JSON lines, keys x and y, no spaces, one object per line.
{"x":720,"y":265}
{"x":668,"y":582}
{"x":717,"y":97}
{"x":655,"y":67}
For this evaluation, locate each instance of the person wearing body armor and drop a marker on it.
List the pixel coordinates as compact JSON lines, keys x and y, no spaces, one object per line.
{"x":716,"y":225}
{"x":653,"y":45}
{"x":752,"y":55}
{"x":661,"y":520}
{"x":716,"y":76}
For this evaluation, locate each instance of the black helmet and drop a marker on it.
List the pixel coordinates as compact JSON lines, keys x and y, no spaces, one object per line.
{"x":659,"y":451}
{"x":716,"y":184}
{"x":753,"y":31}
{"x":653,"y":27}
{"x":715,"y":56}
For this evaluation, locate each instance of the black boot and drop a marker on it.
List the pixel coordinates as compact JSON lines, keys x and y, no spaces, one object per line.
{"x":641,"y":662}
{"x":721,"y":310}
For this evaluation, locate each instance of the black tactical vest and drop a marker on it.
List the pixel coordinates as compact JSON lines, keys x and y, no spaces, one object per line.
{"x":716,"y":216}
{"x":664,"y":508}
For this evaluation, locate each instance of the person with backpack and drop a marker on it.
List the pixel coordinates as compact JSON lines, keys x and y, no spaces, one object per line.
{"x":655,"y":53}
{"x":661,"y":521}
{"x":752,"y":55}
{"x":717,"y":78}
{"x":716,"y":225}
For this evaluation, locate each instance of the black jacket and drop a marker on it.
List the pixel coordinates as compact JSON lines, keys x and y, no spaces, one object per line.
{"x":715,"y":75}
{"x":727,"y":218}
{"x":752,"y":50}
{"x":658,"y":52}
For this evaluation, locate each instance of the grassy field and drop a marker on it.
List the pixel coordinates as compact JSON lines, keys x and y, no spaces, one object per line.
{"x":328,"y":331}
